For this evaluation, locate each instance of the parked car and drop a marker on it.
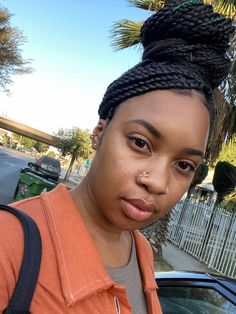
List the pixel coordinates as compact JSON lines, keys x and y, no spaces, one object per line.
{"x":196,"y":293}
{"x":49,"y":167}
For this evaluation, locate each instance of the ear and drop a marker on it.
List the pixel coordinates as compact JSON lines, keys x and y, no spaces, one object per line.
{"x":98,"y":133}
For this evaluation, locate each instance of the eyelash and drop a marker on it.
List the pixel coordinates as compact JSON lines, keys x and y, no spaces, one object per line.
{"x":191,"y":167}
{"x":134,"y":139}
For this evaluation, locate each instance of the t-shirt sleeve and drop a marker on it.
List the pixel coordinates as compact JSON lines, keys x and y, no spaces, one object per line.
{"x":11,"y":253}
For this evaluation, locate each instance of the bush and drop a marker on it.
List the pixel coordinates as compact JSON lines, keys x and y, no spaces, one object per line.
{"x":224,"y":180}
{"x":229,"y":202}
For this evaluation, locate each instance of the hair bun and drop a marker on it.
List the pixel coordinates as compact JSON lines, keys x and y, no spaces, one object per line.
{"x":189,"y":31}
{"x":185,"y":47}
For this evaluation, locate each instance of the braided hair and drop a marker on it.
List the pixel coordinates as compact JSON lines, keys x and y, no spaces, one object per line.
{"x":185,"y":46}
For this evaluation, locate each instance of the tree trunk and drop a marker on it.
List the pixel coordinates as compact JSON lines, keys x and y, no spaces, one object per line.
{"x":68,"y":172}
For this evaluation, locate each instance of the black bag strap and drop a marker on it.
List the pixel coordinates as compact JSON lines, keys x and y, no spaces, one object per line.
{"x":29,"y":271}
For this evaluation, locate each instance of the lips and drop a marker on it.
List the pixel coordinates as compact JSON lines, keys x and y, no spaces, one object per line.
{"x":137,"y":209}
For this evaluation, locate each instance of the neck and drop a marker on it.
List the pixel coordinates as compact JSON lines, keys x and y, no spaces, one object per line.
{"x":113,"y":244}
{"x":96,"y":222}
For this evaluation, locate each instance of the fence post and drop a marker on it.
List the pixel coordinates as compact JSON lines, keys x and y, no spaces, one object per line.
{"x":226,"y":237}
{"x":207,"y":232}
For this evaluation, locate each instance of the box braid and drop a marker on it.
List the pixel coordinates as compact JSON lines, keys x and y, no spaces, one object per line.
{"x":185,"y":46}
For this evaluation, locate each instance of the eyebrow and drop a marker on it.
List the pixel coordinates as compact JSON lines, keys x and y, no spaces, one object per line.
{"x":159,"y":135}
{"x":148,"y":126}
{"x":193,"y":151}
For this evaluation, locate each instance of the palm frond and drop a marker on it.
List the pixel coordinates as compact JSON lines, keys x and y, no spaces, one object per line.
{"x":150,"y":5}
{"x":125,"y":33}
{"x":225,"y":7}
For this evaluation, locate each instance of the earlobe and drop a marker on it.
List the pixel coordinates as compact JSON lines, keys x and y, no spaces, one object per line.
{"x":93,"y":138}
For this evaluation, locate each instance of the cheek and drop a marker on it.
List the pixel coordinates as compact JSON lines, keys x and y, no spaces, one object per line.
{"x":111,"y":165}
{"x":177,"y":191}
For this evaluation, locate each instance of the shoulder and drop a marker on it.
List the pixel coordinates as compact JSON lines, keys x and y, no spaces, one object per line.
{"x":12,"y":244}
{"x":31,"y":206}
{"x":11,"y":254}
{"x":38,"y":205}
{"x":11,"y":233}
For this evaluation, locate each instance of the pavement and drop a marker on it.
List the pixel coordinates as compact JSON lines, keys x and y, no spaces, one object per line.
{"x":180,"y":260}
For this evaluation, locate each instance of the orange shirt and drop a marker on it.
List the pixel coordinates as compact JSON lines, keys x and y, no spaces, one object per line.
{"x":72,"y":276}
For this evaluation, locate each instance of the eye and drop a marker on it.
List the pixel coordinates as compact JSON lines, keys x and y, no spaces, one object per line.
{"x":186,"y":166}
{"x":139,"y":144}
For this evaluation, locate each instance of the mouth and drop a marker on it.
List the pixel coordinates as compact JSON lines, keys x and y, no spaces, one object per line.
{"x":137,"y":209}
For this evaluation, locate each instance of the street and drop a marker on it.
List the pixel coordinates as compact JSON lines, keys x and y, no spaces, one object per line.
{"x":11,"y":161}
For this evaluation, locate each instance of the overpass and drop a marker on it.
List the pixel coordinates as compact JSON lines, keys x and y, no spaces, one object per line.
{"x":27,"y":131}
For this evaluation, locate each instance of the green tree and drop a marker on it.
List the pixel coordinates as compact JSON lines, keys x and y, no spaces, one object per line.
{"x":51,"y":154}
{"x":11,"y":60}
{"x":74,"y":142}
{"x":27,"y":142}
{"x":41,"y":147}
{"x":228,"y":152}
{"x":126,"y":33}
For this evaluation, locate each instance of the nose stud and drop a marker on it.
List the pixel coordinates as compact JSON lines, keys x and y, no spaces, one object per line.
{"x":144,"y":175}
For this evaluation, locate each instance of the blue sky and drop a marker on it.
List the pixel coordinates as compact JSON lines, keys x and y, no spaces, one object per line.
{"x":68,"y":42}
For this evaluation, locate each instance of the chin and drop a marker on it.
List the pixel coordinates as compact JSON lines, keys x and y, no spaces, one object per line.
{"x":138,"y":225}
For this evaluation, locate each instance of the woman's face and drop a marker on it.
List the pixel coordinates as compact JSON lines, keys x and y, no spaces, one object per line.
{"x":163,"y":133}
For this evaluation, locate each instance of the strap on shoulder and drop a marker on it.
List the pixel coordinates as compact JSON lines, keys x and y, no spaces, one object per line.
{"x":29,"y":271}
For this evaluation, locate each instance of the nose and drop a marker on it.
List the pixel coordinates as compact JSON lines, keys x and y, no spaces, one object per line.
{"x":157,"y":180}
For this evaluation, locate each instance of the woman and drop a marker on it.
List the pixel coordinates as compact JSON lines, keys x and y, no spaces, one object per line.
{"x":151,"y":137}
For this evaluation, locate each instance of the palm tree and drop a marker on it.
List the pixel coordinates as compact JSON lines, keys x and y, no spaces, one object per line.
{"x":126,"y":33}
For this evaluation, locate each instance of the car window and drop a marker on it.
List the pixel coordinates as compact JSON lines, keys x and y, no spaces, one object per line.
{"x":49,"y":164}
{"x":50,"y":167}
{"x":193,"y":300}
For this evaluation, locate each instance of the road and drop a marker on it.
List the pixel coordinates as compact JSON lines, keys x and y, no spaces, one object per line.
{"x":11,"y":161}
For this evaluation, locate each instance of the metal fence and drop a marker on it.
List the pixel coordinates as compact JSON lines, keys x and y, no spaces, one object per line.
{"x":206,"y":232}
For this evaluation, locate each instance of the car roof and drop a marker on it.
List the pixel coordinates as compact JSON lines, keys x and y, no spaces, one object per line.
{"x":227,"y":282}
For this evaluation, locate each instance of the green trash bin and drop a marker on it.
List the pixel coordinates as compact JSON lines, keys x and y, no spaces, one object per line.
{"x":31,"y":185}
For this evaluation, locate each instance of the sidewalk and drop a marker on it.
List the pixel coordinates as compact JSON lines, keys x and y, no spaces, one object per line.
{"x":180,"y":260}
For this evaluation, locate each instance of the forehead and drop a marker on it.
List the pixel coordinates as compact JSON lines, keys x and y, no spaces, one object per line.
{"x":165,"y":104}
{"x":168,"y":111}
